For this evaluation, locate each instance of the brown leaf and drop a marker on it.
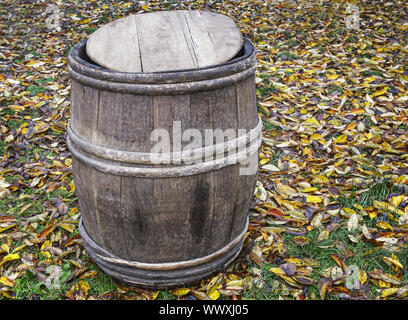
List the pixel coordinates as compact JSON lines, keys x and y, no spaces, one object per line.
{"x":324,"y":287}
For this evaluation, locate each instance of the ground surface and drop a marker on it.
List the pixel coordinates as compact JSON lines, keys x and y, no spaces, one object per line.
{"x":329,"y":218}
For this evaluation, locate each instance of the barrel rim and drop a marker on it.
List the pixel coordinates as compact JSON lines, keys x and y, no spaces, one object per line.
{"x":109,"y":257}
{"x":80,"y":66}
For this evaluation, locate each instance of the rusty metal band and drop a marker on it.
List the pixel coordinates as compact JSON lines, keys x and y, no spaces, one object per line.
{"x":78,"y":62}
{"x":165,"y":158}
{"x":163,"y":88}
{"x":163,"y":172}
{"x":108,"y":257}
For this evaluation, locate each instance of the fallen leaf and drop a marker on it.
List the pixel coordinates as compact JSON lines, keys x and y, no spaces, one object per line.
{"x":313,"y":199}
{"x":9,"y":257}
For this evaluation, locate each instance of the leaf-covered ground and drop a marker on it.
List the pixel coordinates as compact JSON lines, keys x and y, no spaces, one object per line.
{"x":329,"y":218}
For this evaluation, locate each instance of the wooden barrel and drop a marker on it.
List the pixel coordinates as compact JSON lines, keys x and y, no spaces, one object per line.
{"x":159,"y":225}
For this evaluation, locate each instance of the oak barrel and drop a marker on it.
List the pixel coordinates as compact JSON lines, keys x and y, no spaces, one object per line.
{"x":162,"y":225}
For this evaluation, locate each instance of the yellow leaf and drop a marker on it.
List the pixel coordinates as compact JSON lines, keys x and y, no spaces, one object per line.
{"x":5,"y":248}
{"x":76,"y":264}
{"x":291,"y":281}
{"x":320,"y":179}
{"x":323,"y":235}
{"x":402,"y":292}
{"x":154,"y":295}
{"x":85,"y":21}
{"x":278,"y":271}
{"x":9,"y":257}
{"x":296,"y":261}
{"x":235,"y":283}
{"x":16,"y":107}
{"x":73,"y":211}
{"x":388,"y":292}
{"x":180,"y":292}
{"x":349,"y":211}
{"x":358,"y":206}
{"x":41,"y":127}
{"x":7,"y":282}
{"x":369,"y":79}
{"x":396,"y":200}
{"x":362,"y":276}
{"x":213,"y":294}
{"x":46,"y":243}
{"x":281,"y":248}
{"x":145,"y":7}
{"x":313,"y":199}
{"x":332,"y":75}
{"x":381,"y":205}
{"x":384,"y":284}
{"x":285,"y":191}
{"x":199,"y":295}
{"x":84,"y":286}
{"x":372,"y":214}
{"x":231,"y":277}
{"x":67,"y":226}
{"x":393,"y":262}
{"x":385,"y":225}
{"x":316,"y":136}
{"x":380,"y":92}
{"x":89,"y":274}
{"x":71,"y":186}
{"x":312,"y":122}
{"x":214,"y":281}
{"x":311,"y":189}
{"x":264,"y":161}
{"x":341,"y":139}
{"x":19,"y":248}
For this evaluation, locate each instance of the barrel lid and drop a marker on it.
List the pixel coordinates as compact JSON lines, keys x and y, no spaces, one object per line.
{"x":165,"y":41}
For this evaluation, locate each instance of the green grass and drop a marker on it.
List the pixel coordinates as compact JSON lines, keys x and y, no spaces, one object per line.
{"x":268,"y":89}
{"x":28,"y":286}
{"x":379,"y":191}
{"x":266,"y":288}
{"x":287,"y":55}
{"x":166,"y":295}
{"x":368,"y":73}
{"x":269,"y":126}
{"x":43,"y":81}
{"x":359,"y":254}
{"x":35,"y":90}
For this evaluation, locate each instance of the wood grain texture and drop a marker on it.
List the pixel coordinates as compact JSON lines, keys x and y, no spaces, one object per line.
{"x":125,"y":121}
{"x":107,"y":44}
{"x":83,"y":176}
{"x":164,"y":41}
{"x":246,"y":103}
{"x":84,"y":110}
{"x":172,"y":113}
